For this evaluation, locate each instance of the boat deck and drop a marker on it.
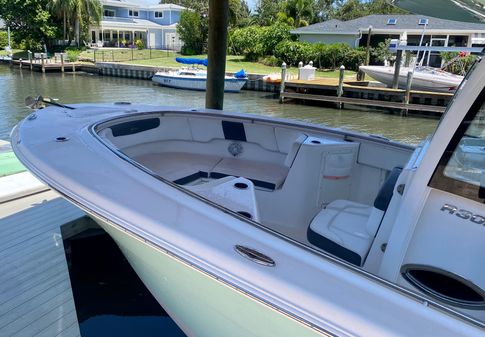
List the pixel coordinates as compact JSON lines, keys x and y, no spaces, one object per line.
{"x":35,"y":290}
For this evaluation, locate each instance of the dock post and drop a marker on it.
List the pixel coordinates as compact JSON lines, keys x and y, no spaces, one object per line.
{"x":340,"y":89}
{"x":112,"y":56}
{"x":42,"y":57}
{"x":300,"y":65}
{"x":30,"y":59}
{"x":397,"y":69}
{"x":62,"y":62}
{"x":73,"y":67}
{"x":407,"y":95}
{"x":20,"y":63}
{"x":367,"y":52}
{"x":282,"y":83}
{"x":94,"y":56}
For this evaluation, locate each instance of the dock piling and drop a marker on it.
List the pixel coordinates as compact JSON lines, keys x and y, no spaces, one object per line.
{"x":397,"y":69}
{"x":20,"y":63}
{"x":30,"y":60}
{"x":62,"y":62}
{"x":42,"y":57}
{"x":283,"y":79}
{"x":407,"y":94}
{"x":340,"y":89}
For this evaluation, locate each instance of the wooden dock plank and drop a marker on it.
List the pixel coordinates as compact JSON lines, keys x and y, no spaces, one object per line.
{"x":35,"y":291}
{"x":358,"y":101}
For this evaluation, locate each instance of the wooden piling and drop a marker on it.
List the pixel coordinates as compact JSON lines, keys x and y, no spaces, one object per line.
{"x":340,"y":89}
{"x":20,"y":63}
{"x":397,"y":69}
{"x":217,"y":47}
{"x":283,"y":80}
{"x":409,"y":82}
{"x":30,"y":60}
{"x":42,"y":57}
{"x":62,"y":62}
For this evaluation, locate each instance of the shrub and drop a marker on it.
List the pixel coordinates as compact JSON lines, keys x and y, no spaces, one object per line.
{"x":354,"y":58}
{"x":271,"y":61}
{"x":72,"y":55}
{"x":462,"y":63}
{"x":292,"y":52}
{"x":3,"y":39}
{"x":246,"y":41}
{"x":271,"y":36}
{"x":139,"y":44}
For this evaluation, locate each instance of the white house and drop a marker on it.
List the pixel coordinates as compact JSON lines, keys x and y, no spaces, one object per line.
{"x":125,"y":22}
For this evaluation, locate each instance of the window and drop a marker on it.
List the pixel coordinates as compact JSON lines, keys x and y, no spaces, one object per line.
{"x":461,"y":170}
{"x":133,"y":12}
{"x":109,"y":12}
{"x":392,"y":21}
{"x":158,"y":15}
{"x":423,"y":22}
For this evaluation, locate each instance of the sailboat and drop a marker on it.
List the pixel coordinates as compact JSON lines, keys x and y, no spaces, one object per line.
{"x":193,"y":78}
{"x":246,"y":225}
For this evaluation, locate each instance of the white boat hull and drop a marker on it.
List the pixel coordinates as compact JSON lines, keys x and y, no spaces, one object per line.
{"x":441,"y":81}
{"x":195,"y":83}
{"x":200,"y":305}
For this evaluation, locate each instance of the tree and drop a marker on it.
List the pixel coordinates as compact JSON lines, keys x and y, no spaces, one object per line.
{"x":266,"y":11}
{"x":302,"y":11}
{"x":30,"y":21}
{"x":192,"y":32}
{"x":353,"y":9}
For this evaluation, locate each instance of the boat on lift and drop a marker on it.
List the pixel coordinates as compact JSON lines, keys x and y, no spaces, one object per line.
{"x":193,"y":78}
{"x":246,"y":225}
{"x":424,"y":78}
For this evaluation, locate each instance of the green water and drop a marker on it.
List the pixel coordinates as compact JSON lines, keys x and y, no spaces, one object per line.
{"x":17,"y":84}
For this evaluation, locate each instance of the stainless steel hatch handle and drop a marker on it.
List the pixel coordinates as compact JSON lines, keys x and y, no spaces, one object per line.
{"x":255,"y":256}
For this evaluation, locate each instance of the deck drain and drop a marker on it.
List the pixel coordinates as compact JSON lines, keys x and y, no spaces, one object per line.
{"x":62,"y":139}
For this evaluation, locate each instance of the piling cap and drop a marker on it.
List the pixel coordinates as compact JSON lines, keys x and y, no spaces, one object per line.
{"x":283,"y":65}
{"x":342,"y":67}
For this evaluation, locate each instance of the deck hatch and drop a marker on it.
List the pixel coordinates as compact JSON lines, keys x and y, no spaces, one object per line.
{"x":132,"y":127}
{"x":234,"y":131}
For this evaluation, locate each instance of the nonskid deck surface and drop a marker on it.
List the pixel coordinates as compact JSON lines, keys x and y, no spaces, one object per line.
{"x":35,"y":290}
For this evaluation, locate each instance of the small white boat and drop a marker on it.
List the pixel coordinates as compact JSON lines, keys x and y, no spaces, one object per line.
{"x":424,"y":78}
{"x":244,"y":225}
{"x":196,"y":79}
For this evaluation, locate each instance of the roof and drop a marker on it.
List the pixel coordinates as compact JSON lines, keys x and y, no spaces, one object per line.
{"x":130,"y":23}
{"x":128,"y":4}
{"x":379,"y":22}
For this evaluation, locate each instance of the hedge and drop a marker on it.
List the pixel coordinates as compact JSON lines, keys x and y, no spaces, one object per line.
{"x":324,"y":56}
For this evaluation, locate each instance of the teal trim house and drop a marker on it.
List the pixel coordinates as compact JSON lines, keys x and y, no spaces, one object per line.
{"x":124,"y":22}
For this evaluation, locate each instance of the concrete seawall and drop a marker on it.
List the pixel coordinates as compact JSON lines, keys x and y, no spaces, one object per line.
{"x":255,"y":82}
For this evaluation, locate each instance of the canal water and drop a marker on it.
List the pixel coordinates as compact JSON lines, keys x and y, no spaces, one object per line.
{"x":110,"y":298}
{"x":16,"y":84}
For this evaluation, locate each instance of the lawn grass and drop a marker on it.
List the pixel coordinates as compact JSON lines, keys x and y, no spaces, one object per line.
{"x":234,"y":64}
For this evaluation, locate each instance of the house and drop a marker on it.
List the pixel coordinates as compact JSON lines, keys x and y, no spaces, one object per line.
{"x":437,"y":32}
{"x":125,"y":22}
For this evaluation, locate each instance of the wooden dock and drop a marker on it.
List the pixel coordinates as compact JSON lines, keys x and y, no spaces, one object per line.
{"x":35,"y":290}
{"x":47,"y":65}
{"x":361,"y":93}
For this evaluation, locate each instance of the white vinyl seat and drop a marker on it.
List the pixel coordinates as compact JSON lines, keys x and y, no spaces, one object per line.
{"x":347,"y":229}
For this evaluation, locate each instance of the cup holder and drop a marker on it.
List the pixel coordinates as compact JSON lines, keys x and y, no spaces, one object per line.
{"x":241,"y":186}
{"x":445,"y":286}
{"x":245,"y":214}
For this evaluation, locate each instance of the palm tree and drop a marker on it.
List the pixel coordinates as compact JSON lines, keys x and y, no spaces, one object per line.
{"x":61,"y":8}
{"x":77,"y":15}
{"x":86,"y":12}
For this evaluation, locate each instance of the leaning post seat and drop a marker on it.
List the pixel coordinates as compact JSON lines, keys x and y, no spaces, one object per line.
{"x":346,"y":229}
